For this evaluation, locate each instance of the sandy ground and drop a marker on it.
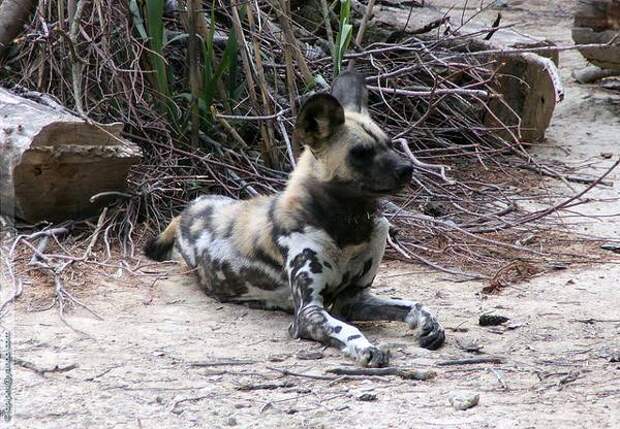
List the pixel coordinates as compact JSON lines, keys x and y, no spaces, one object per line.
{"x":167,"y":356}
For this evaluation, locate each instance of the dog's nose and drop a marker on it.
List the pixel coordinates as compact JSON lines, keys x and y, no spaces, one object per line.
{"x":404,"y":173}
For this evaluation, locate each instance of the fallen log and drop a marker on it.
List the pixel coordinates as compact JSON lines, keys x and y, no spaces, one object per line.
{"x":52,"y":161}
{"x":529,"y":82}
{"x":598,"y":21}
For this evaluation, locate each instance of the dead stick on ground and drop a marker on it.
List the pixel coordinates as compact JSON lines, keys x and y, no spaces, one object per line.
{"x":222,"y":363}
{"x":265,"y":386}
{"x":37,"y":256}
{"x":590,"y":321}
{"x":47,"y":232}
{"x":545,"y":212}
{"x":98,"y":228}
{"x":408,"y":255}
{"x":471,"y":361}
{"x":297,"y":374}
{"x":42,"y":371}
{"x":499,"y":377}
{"x":407,"y":374}
{"x":19,"y":288}
{"x":61,"y":295}
{"x":43,"y":263}
{"x":36,"y":259}
{"x":442,"y":168}
{"x":575,"y":179}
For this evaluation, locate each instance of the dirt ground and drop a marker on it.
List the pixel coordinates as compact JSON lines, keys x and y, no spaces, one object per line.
{"x":166,"y":356}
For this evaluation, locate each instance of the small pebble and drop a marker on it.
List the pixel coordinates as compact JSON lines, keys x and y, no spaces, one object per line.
{"x":463,"y":400}
{"x":367,"y":397}
{"x":492,"y":320}
{"x":514,"y":325}
{"x":277,"y":358}
{"x":231,"y":421}
{"x":306,"y":355}
{"x":469,"y":345}
{"x":613,"y":247}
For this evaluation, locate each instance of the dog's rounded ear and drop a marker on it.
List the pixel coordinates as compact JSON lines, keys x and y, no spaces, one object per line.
{"x":317,"y":121}
{"x":350,"y":89}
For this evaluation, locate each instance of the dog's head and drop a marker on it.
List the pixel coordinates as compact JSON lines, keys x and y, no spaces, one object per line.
{"x":351,"y":150}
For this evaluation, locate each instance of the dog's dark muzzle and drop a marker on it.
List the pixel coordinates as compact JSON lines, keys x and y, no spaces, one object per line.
{"x":403,"y":172}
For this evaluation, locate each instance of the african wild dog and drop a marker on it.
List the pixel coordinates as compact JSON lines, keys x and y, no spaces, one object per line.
{"x":315,"y":248}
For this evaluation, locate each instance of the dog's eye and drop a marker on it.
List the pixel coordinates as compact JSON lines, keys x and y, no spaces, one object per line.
{"x":361,"y":151}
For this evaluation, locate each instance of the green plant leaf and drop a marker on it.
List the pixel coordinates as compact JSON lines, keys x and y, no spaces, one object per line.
{"x":343,"y":38}
{"x":213,"y":75}
{"x":157,"y":40}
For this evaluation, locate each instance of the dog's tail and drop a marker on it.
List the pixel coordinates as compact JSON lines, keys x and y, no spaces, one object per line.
{"x":159,"y":248}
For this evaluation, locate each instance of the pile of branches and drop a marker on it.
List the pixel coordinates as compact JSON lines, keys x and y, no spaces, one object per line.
{"x":210,"y":91}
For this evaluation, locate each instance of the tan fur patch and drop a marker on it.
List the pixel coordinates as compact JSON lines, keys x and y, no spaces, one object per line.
{"x":171,"y":230}
{"x":252,"y":228}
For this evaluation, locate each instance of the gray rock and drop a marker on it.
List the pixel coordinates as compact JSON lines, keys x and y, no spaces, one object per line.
{"x":463,"y":400}
{"x":367,"y":397}
{"x":612,"y":247}
{"x":492,"y":320}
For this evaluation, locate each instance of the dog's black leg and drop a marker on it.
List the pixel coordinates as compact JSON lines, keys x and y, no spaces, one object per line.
{"x":361,"y":305}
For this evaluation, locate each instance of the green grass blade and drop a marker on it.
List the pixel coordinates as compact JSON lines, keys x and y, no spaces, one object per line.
{"x":212,"y":74}
{"x":343,"y":38}
{"x":157,"y":40}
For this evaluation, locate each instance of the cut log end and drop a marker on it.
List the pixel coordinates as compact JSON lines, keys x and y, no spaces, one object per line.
{"x":528,"y":82}
{"x":53,"y":162}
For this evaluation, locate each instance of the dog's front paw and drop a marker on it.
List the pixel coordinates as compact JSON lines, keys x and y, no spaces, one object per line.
{"x":373,"y":357}
{"x":431,"y":335}
{"x":362,"y":351}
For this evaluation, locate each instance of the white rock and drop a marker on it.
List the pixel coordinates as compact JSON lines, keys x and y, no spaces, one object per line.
{"x":463,"y":400}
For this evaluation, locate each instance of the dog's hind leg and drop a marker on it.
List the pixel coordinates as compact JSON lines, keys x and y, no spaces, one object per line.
{"x":356,"y":304}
